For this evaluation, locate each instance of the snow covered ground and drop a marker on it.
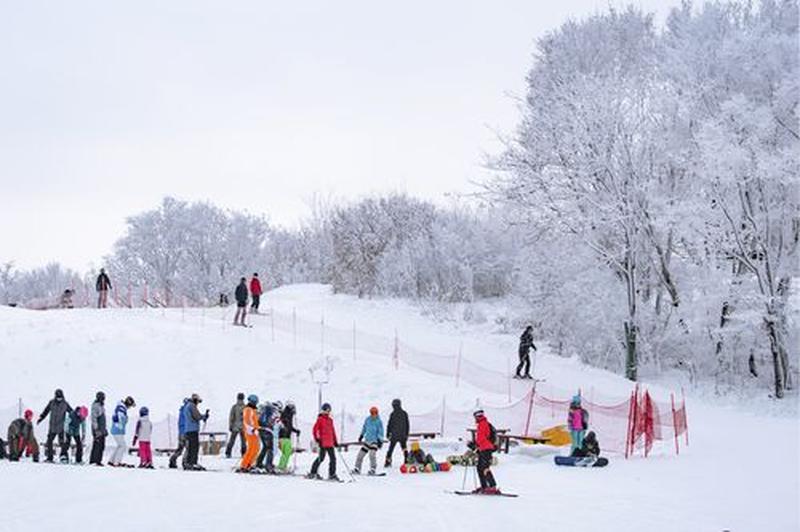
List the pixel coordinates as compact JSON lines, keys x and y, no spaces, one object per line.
{"x":740,"y":472}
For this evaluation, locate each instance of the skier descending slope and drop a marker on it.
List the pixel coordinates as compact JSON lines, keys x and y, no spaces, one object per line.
{"x":250,"y":421}
{"x":119,"y":421}
{"x":57,"y":408}
{"x":371,"y":439}
{"x":525,"y":346}
{"x":397,"y":430}
{"x":325,"y":436}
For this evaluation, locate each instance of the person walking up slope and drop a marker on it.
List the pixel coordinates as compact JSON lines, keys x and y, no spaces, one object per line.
{"x":397,"y":430}
{"x":371,"y":439}
{"x":241,"y":303}
{"x":325,"y":436}
{"x":57,"y":408}
{"x":235,"y":426}
{"x":485,"y":437}
{"x":119,"y":422}
{"x":99,"y":430}
{"x":250,"y":422}
{"x":255,"y":292}
{"x":102,"y":285}
{"x":143,"y":433}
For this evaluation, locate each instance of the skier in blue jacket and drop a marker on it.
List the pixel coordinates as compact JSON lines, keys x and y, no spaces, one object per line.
{"x":118,"y":423}
{"x":173,"y":459}
{"x":371,"y":440}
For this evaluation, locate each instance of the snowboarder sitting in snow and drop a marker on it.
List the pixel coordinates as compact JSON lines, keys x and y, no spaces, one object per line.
{"x":22,"y":439}
{"x":590,"y":447}
{"x":485,"y":438}
{"x":143,"y":433}
{"x":76,"y":430}
{"x":578,"y":422}
{"x":371,"y":440}
{"x":418,"y":456}
{"x":57,"y":408}
{"x":325,"y":436}
{"x":397,"y":430}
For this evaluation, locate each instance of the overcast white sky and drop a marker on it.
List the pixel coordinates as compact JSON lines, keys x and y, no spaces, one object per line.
{"x":106,"y":107}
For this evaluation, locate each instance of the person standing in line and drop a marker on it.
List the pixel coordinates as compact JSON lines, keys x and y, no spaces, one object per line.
{"x":235,"y":426}
{"x":371,"y":440}
{"x":578,"y":422}
{"x":285,"y":432}
{"x":193,"y":417}
{"x":103,"y":285}
{"x":57,"y":408}
{"x":119,"y":422}
{"x":75,"y":429}
{"x":397,"y":431}
{"x":173,"y":459}
{"x":143,"y":433}
{"x":241,"y":303}
{"x":99,"y":430}
{"x":255,"y":292}
{"x":266,"y":432}
{"x":325,"y":435}
{"x":21,"y":438}
{"x":525,"y":346}
{"x":250,"y":424}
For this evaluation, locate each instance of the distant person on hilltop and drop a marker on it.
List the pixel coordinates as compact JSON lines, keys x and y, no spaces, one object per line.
{"x":255,"y":291}
{"x":525,"y":346}
{"x":66,"y":299}
{"x":103,"y":285}
{"x":241,"y":303}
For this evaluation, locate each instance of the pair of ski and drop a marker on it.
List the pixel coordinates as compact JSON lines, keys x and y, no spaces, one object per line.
{"x":497,"y":494}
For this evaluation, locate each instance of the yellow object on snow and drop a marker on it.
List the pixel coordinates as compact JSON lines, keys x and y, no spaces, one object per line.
{"x":557,"y":436}
{"x":415,"y":446}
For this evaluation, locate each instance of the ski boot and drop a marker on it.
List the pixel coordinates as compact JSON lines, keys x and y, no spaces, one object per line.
{"x":314,"y":476}
{"x":334,"y":478}
{"x":356,"y":471}
{"x":372,"y":472}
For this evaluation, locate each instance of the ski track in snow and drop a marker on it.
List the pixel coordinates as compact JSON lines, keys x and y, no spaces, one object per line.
{"x":740,"y":472}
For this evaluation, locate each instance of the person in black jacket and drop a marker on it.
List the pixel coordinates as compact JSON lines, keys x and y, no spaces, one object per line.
{"x":589,"y":448}
{"x":525,"y":346}
{"x":397,"y":430}
{"x":241,"y":302}
{"x":57,"y":408}
{"x":103,"y":285}
{"x":97,"y":415}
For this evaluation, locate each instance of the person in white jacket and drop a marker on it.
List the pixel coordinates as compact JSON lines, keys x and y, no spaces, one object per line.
{"x":143,"y":433}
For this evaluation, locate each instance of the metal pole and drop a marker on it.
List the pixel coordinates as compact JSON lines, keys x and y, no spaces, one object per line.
{"x":272,"y":322}
{"x":458,"y":363}
{"x":294,"y":327}
{"x":354,"y":340}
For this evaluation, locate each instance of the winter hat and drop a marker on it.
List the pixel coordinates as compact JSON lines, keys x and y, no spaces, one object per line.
{"x":59,"y":394}
{"x":83,"y":412}
{"x":100,"y":396}
{"x":196,"y":398}
{"x":414,"y":446}
{"x":396,"y":403}
{"x":240,"y":396}
{"x":252,"y":399}
{"x":144,"y":411}
{"x":28,"y":414}
{"x":277,"y":405}
{"x":129,"y":402}
{"x":373,"y":411}
{"x":326,"y":407}
{"x":576,"y":399}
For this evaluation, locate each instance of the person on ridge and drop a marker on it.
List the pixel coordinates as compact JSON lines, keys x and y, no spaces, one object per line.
{"x":143,"y":433}
{"x":285,"y":432}
{"x":21,"y":438}
{"x":179,"y":450}
{"x":371,"y":440}
{"x":57,"y":408}
{"x":325,"y":436}
{"x":192,"y":418}
{"x":119,"y":422}
{"x":577,"y":422}
{"x":75,"y":429}
{"x":255,"y":291}
{"x":102,"y":285}
{"x":99,"y":430}
{"x":484,"y":444}
{"x":397,"y":430}
{"x":525,"y":346}
{"x":235,"y":426}
{"x":250,"y":423}
{"x":241,"y":303}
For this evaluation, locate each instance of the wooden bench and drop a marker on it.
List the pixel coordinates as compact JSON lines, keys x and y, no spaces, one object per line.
{"x":424,"y":435}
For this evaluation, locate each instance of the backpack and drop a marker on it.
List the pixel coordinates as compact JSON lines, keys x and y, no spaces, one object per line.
{"x":492,"y":435}
{"x":265,"y":415}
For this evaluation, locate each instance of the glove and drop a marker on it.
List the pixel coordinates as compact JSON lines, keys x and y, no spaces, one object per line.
{"x":360,"y":438}
{"x":380,"y":444}
{"x":471,"y":446}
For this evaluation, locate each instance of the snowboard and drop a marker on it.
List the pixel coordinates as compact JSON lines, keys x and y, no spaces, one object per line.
{"x":575,"y":461}
{"x":499,"y":494}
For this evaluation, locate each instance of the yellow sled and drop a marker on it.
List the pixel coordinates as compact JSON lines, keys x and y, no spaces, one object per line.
{"x":557,"y":436}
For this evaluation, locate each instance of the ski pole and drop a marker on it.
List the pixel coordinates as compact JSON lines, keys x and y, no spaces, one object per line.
{"x":294,"y":451}
{"x":464,"y":481}
{"x":344,"y":463}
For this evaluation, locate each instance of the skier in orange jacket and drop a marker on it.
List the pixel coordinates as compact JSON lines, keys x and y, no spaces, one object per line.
{"x":250,"y":422}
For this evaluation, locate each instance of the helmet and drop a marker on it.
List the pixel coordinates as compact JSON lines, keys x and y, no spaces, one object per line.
{"x":277,"y":405}
{"x":29,"y":414}
{"x":59,"y":394}
{"x":100,"y":396}
{"x":576,"y":399}
{"x":196,"y":398}
{"x":144,"y":411}
{"x":396,"y":403}
{"x":129,"y":402}
{"x":83,"y":412}
{"x":478,"y":413}
{"x":252,"y":399}
{"x":373,"y":411}
{"x":326,"y":407}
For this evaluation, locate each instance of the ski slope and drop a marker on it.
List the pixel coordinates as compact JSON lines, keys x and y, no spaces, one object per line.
{"x":739,"y":473}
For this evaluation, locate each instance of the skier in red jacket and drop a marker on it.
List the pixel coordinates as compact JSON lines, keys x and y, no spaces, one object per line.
{"x":255,"y":292}
{"x":325,"y":436}
{"x":485,"y":446}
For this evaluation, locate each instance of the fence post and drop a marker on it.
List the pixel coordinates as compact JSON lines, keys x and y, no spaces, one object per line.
{"x":508,"y":378}
{"x":19,"y":406}
{"x":272,"y":323}
{"x":685,"y":417}
{"x":444,"y":410}
{"x":322,"y":334}
{"x":354,"y":340}
{"x":530,"y":409}
{"x":458,"y":363}
{"x":294,"y":327}
{"x":396,"y":355}
{"x":674,"y":424}
{"x":341,"y":423}
{"x":130,"y":296}
{"x":169,"y":429}
{"x":183,"y":308}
